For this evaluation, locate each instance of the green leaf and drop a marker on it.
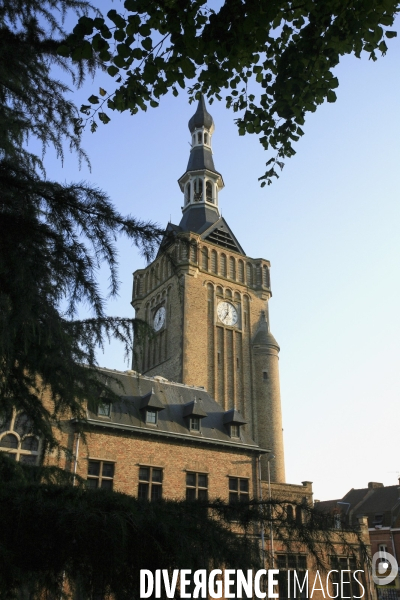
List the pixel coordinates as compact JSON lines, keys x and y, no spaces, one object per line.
{"x":331,"y":96}
{"x":83,"y":52}
{"x":93,"y":99}
{"x":119,"y":35}
{"x":116,"y":18}
{"x":63,"y":50}
{"x":391,"y":34}
{"x":112,"y":70}
{"x":102,"y":92}
{"x":104,"y":118}
{"x":147,"y":44}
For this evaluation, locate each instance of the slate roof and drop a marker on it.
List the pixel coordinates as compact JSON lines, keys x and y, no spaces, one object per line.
{"x":200,"y":158}
{"x":371,"y":501}
{"x":198,"y":218}
{"x":129,"y":415}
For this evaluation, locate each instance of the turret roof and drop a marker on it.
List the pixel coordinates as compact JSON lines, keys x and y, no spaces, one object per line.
{"x":201,"y":117}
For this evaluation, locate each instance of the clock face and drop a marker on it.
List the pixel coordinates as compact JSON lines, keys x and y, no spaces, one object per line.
{"x":227,"y":313}
{"x":159,"y":318}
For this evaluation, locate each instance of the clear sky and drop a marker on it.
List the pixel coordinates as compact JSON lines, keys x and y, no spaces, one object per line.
{"x":330,"y":227}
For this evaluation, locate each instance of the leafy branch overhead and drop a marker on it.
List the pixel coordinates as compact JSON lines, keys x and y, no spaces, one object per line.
{"x":288,"y":48}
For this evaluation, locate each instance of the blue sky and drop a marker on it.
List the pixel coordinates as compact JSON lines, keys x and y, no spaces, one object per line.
{"x":330,"y":227}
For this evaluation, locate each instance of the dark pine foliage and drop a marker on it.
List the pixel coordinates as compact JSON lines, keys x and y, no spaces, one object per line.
{"x":53,"y":237}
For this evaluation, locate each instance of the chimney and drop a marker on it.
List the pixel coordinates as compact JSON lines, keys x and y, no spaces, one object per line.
{"x":373,"y":485}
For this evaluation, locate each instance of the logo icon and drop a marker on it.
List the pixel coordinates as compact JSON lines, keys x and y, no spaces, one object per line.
{"x":381,"y":562}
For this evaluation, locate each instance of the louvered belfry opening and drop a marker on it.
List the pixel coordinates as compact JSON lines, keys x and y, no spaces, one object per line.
{"x":222,"y":238}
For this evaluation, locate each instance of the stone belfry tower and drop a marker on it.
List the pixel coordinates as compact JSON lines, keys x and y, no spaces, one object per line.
{"x":207,"y":302}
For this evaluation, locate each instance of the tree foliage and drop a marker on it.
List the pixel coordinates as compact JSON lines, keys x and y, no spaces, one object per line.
{"x":271,"y":61}
{"x":97,"y":540}
{"x":53,"y":237}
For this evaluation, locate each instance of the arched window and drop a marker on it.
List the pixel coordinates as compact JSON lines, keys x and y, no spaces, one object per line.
{"x":193,"y":252}
{"x":30,"y":443}
{"x":289,"y":510}
{"x":223,"y":265}
{"x":214,"y":261}
{"x":187,"y":193}
{"x":198,"y":190}
{"x":9,"y":441}
{"x":209,"y":194}
{"x":204,"y":258}
{"x":146,"y":287}
{"x":206,"y":138}
{"x":199,"y":137}
{"x":194,"y":139}
{"x":241,"y":271}
{"x":151,"y":279}
{"x":232,"y":268}
{"x":249,"y":274}
{"x":16,"y":443}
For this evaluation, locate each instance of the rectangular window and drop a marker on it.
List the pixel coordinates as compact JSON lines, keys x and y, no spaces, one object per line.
{"x":100,"y":474}
{"x":150,"y":483}
{"x":194,"y":424}
{"x":151,"y":417}
{"x":238,"y":490}
{"x":104,"y":409}
{"x":351,"y":588}
{"x":196,"y":486}
{"x":287,"y":565}
{"x":235,"y":432}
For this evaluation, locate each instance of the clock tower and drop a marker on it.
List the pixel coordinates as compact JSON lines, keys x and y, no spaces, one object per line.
{"x":207,"y":304}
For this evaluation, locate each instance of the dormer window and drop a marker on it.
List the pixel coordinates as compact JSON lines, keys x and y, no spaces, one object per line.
{"x":151,"y":417}
{"x":235,"y":431}
{"x":193,"y":413}
{"x":104,"y":409}
{"x":233,"y":421}
{"x":194,"y":423}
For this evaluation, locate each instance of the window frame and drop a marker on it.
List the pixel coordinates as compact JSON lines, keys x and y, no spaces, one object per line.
{"x":100,"y":477}
{"x":238,"y":495}
{"x":290,"y":563}
{"x":17,"y":453}
{"x":150,"y":483}
{"x":348,"y":566}
{"x":152,"y":412}
{"x":106,"y":406}
{"x":234,"y":431}
{"x":192,"y":421}
{"x":197,"y":487}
